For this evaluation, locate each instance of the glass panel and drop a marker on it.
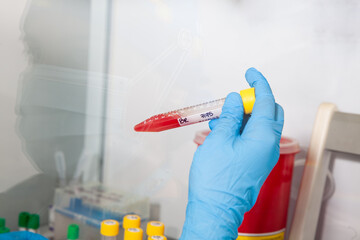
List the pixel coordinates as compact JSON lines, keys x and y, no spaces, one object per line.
{"x":54,"y":102}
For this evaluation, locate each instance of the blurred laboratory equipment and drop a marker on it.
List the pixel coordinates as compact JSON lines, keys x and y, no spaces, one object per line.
{"x":194,"y":114}
{"x":60,"y":164}
{"x":89,"y":205}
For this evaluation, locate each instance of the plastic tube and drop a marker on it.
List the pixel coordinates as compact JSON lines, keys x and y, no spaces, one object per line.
{"x":109,"y":230}
{"x":131,"y":221}
{"x":23,"y":221}
{"x":73,"y":232}
{"x":34,"y":223}
{"x":133,"y":234}
{"x":194,"y":114}
{"x":155,"y":228}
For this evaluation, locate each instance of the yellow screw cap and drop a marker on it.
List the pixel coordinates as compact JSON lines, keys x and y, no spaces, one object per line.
{"x":131,"y":221}
{"x":154,"y":228}
{"x":109,"y":228}
{"x":133,"y":234}
{"x":248,"y":98}
{"x":157,"y":237}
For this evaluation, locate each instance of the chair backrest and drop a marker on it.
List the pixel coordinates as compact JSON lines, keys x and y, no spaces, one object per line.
{"x":333,"y":131}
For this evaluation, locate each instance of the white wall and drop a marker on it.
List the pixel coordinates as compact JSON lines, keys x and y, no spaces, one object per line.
{"x":172,"y":54}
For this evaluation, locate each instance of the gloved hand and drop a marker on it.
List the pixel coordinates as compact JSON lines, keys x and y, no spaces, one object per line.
{"x":23,"y":235}
{"x":229,"y":169}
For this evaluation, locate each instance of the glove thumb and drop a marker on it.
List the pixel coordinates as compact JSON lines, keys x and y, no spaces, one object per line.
{"x":231,"y":117}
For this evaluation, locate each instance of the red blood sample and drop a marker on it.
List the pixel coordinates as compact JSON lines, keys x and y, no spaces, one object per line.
{"x":159,"y":123}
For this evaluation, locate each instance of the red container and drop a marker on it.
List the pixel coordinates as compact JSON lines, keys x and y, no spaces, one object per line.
{"x":267,"y":219}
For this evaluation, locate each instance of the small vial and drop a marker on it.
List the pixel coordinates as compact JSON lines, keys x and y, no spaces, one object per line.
{"x":73,"y":232}
{"x":3,"y":228}
{"x":157,"y":237}
{"x":109,"y":230}
{"x":155,"y":228}
{"x":131,"y":221}
{"x":23,"y":221}
{"x":133,"y":234}
{"x":2,"y":223}
{"x":34,"y":223}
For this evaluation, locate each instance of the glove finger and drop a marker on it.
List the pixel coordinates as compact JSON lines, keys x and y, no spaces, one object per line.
{"x":231,"y":116}
{"x":213,"y":123}
{"x":264,"y":106}
{"x":279,"y":118}
{"x":279,"y":113}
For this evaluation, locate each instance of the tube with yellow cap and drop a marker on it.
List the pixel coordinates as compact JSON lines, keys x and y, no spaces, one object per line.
{"x":194,"y":114}
{"x":133,"y":234}
{"x":157,"y":237}
{"x":154,"y":228}
{"x":109,"y":230}
{"x":131,"y":221}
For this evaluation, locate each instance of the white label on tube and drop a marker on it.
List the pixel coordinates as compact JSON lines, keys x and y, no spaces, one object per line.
{"x":200,"y":117}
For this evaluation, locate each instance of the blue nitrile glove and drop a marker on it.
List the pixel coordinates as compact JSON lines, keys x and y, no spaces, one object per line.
{"x":23,"y":235}
{"x":229,"y":169}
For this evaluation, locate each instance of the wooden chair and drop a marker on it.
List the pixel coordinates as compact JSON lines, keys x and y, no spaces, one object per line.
{"x":333,"y":131}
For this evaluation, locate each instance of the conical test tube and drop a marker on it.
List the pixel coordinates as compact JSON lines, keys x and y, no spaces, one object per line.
{"x":194,"y":114}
